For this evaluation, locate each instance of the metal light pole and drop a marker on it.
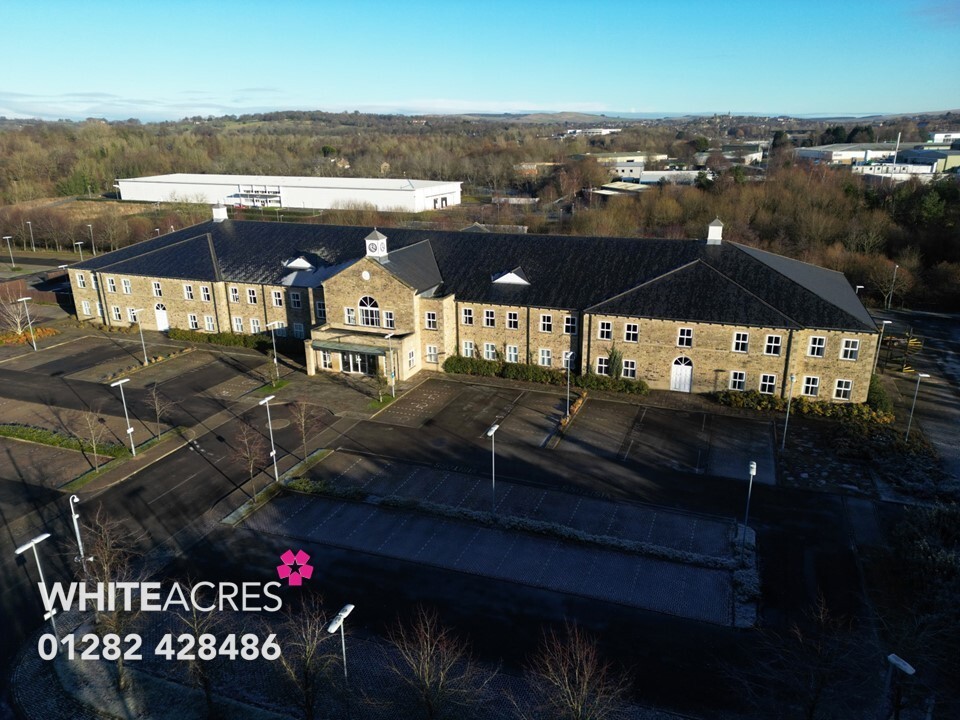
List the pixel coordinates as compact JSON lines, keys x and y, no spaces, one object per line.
{"x":491,"y":433}
{"x":81,"y":558}
{"x":783,"y":443}
{"x":903,"y":666}
{"x":337,"y":624}
{"x":893,"y":284}
{"x":746,"y":515}
{"x":10,"y":249}
{"x":48,"y":614}
{"x":857,"y":289}
{"x":33,"y":338}
{"x":876,"y":359}
{"x":79,"y":246}
{"x":570,"y":355}
{"x":32,"y":246}
{"x":914,"y":405}
{"x":276,"y":368}
{"x":393,"y":366}
{"x":273,"y":449}
{"x":136,"y":317}
{"x":119,"y":384}
{"x":157,"y":231}
{"x":93,"y":245}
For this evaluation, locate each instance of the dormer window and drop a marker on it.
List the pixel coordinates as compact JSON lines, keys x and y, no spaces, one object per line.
{"x":511,"y":277}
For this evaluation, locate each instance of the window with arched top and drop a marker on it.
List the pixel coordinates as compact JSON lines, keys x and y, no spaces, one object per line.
{"x":369,"y":312}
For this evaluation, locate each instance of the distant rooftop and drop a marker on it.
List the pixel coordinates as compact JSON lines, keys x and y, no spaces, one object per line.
{"x":293,"y":180}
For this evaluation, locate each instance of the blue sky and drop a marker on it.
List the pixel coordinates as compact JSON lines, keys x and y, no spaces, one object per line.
{"x":171,"y":59}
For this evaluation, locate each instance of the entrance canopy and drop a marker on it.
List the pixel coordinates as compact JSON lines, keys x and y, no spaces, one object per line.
{"x":347,"y":347}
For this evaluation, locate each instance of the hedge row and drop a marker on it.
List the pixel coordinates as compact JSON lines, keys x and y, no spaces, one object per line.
{"x":263,"y":343}
{"x":535,"y":373}
{"x":44,"y":436}
{"x":753,"y":400}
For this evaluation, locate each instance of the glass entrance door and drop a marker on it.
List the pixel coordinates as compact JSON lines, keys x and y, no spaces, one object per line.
{"x":357,"y":363}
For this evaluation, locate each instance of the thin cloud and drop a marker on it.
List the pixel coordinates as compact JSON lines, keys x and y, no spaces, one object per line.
{"x":938,"y":13}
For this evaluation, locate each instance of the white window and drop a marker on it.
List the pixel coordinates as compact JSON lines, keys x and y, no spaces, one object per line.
{"x":369,"y":312}
{"x":843,"y":389}
{"x":99,"y":309}
{"x":546,"y":357}
{"x":513,"y":320}
{"x":741,"y":342}
{"x":350,"y":316}
{"x":772,"y":346}
{"x":630,"y":369}
{"x":468,"y":348}
{"x":81,"y":281}
{"x":388,"y":321}
{"x":467,"y":315}
{"x":411,"y":359}
{"x":205,"y":293}
{"x":606,"y":330}
{"x":298,"y":331}
{"x":546,"y":323}
{"x":513,"y":354}
{"x":631,"y":332}
{"x":251,"y":296}
{"x":850,"y":349}
{"x":431,"y":320}
{"x":111,"y":285}
{"x":117,"y":315}
{"x":234,"y":295}
{"x":93,"y":281}
{"x":86,"y":307}
{"x":738,"y":380}
{"x":817,"y":347}
{"x":188,"y":292}
{"x":603,"y":366}
{"x":570,"y":325}
{"x":192,"y":320}
{"x":127,"y":289}
{"x":132,"y":314}
{"x":280,"y":329}
{"x":489,"y":351}
{"x":811,"y":385}
{"x":489,"y":318}
{"x":157,"y":290}
{"x":238,"y":325}
{"x":685,"y":337}
{"x":254,"y":325}
{"x":326,"y":361}
{"x":433,"y":356}
{"x":208,"y":323}
{"x":768,"y":384}
{"x":321,"y":309}
{"x":277,"y":298}
{"x":295,"y":300}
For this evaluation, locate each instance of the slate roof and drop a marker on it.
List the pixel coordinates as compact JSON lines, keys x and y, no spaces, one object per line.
{"x":677,"y":279}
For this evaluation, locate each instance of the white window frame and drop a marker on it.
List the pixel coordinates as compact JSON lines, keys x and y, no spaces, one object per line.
{"x":280,"y":329}
{"x":187,"y":291}
{"x":513,"y":320}
{"x":234,"y":295}
{"x":252,"y":296}
{"x":570,"y":325}
{"x":605,"y":330}
{"x":298,"y":331}
{"x":629,"y":369}
{"x":817,"y":347}
{"x":205,"y":293}
{"x":93,"y":281}
{"x":193,"y":321}
{"x":430,"y":320}
{"x":389,"y":321}
{"x":489,"y":351}
{"x":468,"y":348}
{"x":685,"y":337}
{"x":843,"y":391}
{"x":320,"y":309}
{"x":277,"y":298}
{"x":546,"y":322}
{"x":850,"y":349}
{"x":85,"y":306}
{"x":157,"y":289}
{"x":466,"y":316}
{"x":768,"y":380}
{"x":513,"y":353}
{"x":326,"y":360}
{"x":433,"y":354}
{"x":295,"y":301}
{"x":545,"y":358}
{"x":111,"y":285}
{"x":238,"y":325}
{"x":411,"y":359}
{"x":772,"y":345}
{"x":631,"y":332}
{"x":738,"y":380}
{"x":811,"y":386}
{"x":741,"y":342}
{"x":81,"y":281}
{"x":209,"y":323}
{"x":254,"y":326}
{"x":349,"y":316}
{"x":603,"y":365}
{"x":127,"y":286}
{"x":489,"y":318}
{"x":117,"y":315}
{"x":131,"y":315}
{"x":99,"y":309}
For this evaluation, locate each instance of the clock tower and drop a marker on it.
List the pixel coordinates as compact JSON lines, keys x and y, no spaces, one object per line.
{"x":376,"y":243}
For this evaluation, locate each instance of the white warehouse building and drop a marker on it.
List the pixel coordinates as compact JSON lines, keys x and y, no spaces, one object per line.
{"x":315,"y":193}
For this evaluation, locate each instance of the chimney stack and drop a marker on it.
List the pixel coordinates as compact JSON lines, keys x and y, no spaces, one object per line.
{"x":714,"y":232}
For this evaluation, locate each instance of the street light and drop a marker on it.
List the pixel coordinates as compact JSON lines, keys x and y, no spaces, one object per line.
{"x":276,"y":367}
{"x":49,"y":614}
{"x":32,"y":246}
{"x":857,"y":289}
{"x":81,"y":558}
{"x":273,"y":449}
{"x":157,"y":231}
{"x":393,"y":366}
{"x":569,"y":357}
{"x":903,"y":666}
{"x":783,"y":443}
{"x":93,"y":245}
{"x":893,"y":284}
{"x":876,"y":359}
{"x":136,"y":318}
{"x":12,"y":263}
{"x":491,"y":433}
{"x":119,"y":384}
{"x":33,"y":338}
{"x":746,"y":515}
{"x":914,"y":405}
{"x":337,"y":624}
{"x":79,"y":246}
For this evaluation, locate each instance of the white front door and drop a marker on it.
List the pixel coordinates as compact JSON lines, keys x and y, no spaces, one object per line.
{"x":681,"y":375}
{"x":161,"y":312}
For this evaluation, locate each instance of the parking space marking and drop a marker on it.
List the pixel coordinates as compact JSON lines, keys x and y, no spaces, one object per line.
{"x":469,"y":542}
{"x":170,"y":490}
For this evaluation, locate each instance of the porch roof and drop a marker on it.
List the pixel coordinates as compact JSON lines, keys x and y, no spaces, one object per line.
{"x":347,"y":347}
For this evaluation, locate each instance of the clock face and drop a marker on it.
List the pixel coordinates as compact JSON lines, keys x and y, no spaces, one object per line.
{"x":372,"y":247}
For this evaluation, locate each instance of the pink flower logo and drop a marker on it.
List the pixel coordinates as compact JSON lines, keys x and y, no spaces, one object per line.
{"x":295,"y":568}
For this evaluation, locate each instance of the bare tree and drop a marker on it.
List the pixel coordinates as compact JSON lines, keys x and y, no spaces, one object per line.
{"x":160,"y":405}
{"x":93,"y":431}
{"x":13,"y":314}
{"x":201,"y":670}
{"x":435,"y":667}
{"x":305,"y":419}
{"x":572,"y":682}
{"x":305,"y":659}
{"x":251,"y":450}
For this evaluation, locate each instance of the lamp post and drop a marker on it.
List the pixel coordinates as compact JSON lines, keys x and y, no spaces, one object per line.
{"x":123,"y":399}
{"x":337,"y":624}
{"x":79,"y":247}
{"x":32,"y":246}
{"x":783,"y":442}
{"x":81,"y":558}
{"x":157,"y":231}
{"x":569,"y":357}
{"x":903,"y":666}
{"x":10,"y":249}
{"x":93,"y":245}
{"x":49,"y":614}
{"x":273,"y":450}
{"x":857,"y":289}
{"x":26,"y":309}
{"x":393,"y":366}
{"x":916,"y":391}
{"x":876,"y":359}
{"x":276,"y":368}
{"x":746,"y":515}
{"x":491,"y":433}
{"x":136,"y":318}
{"x":893,"y":284}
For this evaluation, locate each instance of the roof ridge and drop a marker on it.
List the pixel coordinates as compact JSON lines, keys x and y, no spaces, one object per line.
{"x":637,"y":287}
{"x":751,"y":293}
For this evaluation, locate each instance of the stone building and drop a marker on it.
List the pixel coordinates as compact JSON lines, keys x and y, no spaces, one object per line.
{"x":685,"y":315}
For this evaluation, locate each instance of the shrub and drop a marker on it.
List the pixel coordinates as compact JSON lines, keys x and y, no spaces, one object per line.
{"x":263,"y":343}
{"x":845,"y":412}
{"x":540,"y":374}
{"x":592,"y":381}
{"x":877,"y":397}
